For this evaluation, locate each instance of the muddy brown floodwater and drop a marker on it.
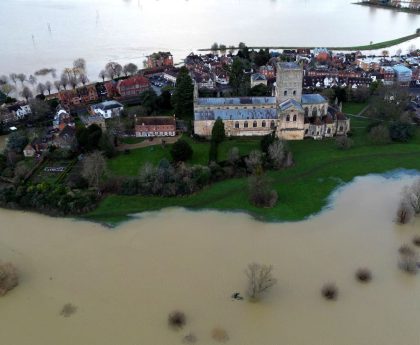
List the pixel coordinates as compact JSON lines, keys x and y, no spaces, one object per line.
{"x":122,"y":283}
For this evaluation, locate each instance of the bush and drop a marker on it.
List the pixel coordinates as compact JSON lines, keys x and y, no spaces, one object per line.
{"x":401,"y":131}
{"x":189,"y":339}
{"x":8,"y":278}
{"x":177,"y":319}
{"x":408,"y":259}
{"x":363,"y":275}
{"x":379,"y":135}
{"x":260,"y":279}
{"x":181,"y":151}
{"x":343,"y":143}
{"x":68,"y":310}
{"x":220,"y":335}
{"x":330,"y":291}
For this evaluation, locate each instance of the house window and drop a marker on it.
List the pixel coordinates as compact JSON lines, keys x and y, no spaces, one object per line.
{"x":272,"y":124}
{"x":236,"y":124}
{"x":246,"y":124}
{"x":263,"y":124}
{"x":285,"y":93}
{"x":288,"y":118}
{"x":254,"y":124}
{"x":294,"y":118}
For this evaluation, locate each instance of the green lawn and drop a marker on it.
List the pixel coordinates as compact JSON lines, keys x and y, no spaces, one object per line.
{"x":353,"y":108}
{"x":131,"y":140}
{"x":303,"y":189}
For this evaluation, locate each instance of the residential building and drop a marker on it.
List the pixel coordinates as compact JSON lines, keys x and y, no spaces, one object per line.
{"x":291,"y":115}
{"x":19,"y":110}
{"x":62,"y":118}
{"x":107,"y":109}
{"x":132,"y":86}
{"x":156,"y":126}
{"x":29,"y":151}
{"x":258,"y":79}
{"x":160,"y":59}
{"x":403,"y":75}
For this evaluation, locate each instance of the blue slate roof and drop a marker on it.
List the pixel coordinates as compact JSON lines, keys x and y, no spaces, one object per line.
{"x":313,"y":99}
{"x":289,"y":104}
{"x":235,"y":114}
{"x":236,"y":101}
{"x":289,"y":65}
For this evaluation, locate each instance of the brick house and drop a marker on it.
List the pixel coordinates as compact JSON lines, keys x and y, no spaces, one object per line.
{"x":88,"y":93}
{"x":133,"y":86}
{"x":160,"y":59}
{"x":156,"y":126}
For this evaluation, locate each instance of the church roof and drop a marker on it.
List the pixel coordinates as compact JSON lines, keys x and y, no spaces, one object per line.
{"x":289,"y":104}
{"x":313,"y":98}
{"x":289,"y":65}
{"x":235,"y":114}
{"x":236,"y":100}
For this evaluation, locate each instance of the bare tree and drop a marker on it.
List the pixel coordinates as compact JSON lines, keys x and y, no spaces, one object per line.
{"x":113,"y":69}
{"x":102,"y":75}
{"x":94,"y":166}
{"x":13,"y":77}
{"x":130,"y":68}
{"x":261,"y":194}
{"x":231,"y":50}
{"x":41,"y":88}
{"x":4,"y":79}
{"x":7,"y":88}
{"x":276,"y":152}
{"x":21,"y":77}
{"x":253,"y":161}
{"x":80,"y":64}
{"x":83,"y":79}
{"x":412,"y":48}
{"x":57,"y":84}
{"x":48,"y":87}
{"x":260,"y":279}
{"x":64,"y":81}
{"x":398,"y":52}
{"x":32,"y":80}
{"x":73,"y":82}
{"x":233,"y":155}
{"x":26,"y":93}
{"x":408,"y":259}
{"x":412,"y":196}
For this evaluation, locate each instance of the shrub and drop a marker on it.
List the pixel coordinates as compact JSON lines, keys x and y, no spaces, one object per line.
{"x":401,"y":131}
{"x":260,"y":279}
{"x":181,"y":151}
{"x":260,"y":193}
{"x":177,"y":319}
{"x":408,"y":259}
{"x":379,"y":135}
{"x":416,"y":241}
{"x":363,"y":275}
{"x":330,"y":291}
{"x":8,"y":278}
{"x":68,"y":310}
{"x":189,"y":339}
{"x":405,"y":212}
{"x":220,"y":335}
{"x":277,"y":153}
{"x":343,"y":143}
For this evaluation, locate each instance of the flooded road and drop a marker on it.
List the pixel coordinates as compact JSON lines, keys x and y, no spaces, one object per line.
{"x":125,"y":281}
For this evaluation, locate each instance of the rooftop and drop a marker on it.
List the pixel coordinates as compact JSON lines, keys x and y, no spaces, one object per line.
{"x":237,"y":101}
{"x":313,"y":98}
{"x":235,"y":114}
{"x":289,"y":104}
{"x":289,"y":65}
{"x":107,"y":105}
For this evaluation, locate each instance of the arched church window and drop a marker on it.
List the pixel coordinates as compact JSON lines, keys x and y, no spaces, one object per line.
{"x":263,"y":124}
{"x":272,"y":124}
{"x":288,"y":118}
{"x":246,"y":124}
{"x":294,"y":118}
{"x":294,"y":93}
{"x":236,"y":124}
{"x":254,"y":124}
{"x":285,"y":93}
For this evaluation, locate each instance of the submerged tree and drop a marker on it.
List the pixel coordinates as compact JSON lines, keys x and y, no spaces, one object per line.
{"x":8,"y":278}
{"x":260,"y":279}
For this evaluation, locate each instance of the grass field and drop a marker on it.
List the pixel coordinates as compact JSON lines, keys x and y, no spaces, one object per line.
{"x":354,"y":108}
{"x":303,"y":189}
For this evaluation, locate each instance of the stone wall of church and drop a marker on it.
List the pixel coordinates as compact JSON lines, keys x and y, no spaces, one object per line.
{"x":289,"y":83}
{"x":291,"y":125}
{"x":312,"y":110}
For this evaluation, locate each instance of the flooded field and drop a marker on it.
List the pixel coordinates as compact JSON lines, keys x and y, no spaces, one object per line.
{"x":125,"y":281}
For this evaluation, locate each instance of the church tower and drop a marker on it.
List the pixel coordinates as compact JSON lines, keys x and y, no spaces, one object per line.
{"x":289,"y":82}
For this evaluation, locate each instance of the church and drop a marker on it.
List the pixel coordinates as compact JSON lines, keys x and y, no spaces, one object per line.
{"x":291,"y":114}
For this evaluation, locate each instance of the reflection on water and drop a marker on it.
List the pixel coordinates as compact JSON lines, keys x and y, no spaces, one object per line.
{"x":124,"y":282}
{"x":104,"y":30}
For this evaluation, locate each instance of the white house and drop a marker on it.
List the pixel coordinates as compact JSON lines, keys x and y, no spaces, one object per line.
{"x":107,"y":109}
{"x":20,"y":111}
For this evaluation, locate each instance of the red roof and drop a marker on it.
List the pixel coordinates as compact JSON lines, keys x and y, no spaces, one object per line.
{"x":132,"y":81}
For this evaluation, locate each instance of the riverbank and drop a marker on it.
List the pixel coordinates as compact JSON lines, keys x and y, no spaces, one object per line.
{"x":373,"y":46}
{"x":388,"y":7}
{"x":303,"y":189}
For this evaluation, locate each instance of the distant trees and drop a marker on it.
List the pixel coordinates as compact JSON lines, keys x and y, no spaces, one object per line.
{"x":130,"y":68}
{"x":26,"y":93}
{"x":48,"y":87}
{"x":7,"y":88}
{"x":41,"y":88}
{"x":32,"y":80}
{"x":17,"y":141}
{"x":237,"y":78}
{"x":88,"y":138}
{"x":183,"y":95}
{"x":113,"y":69}
{"x":148,"y":100}
{"x":102,"y":75}
{"x":260,"y":279}
{"x":222,"y":49}
{"x":21,"y":77}
{"x":215,"y":48}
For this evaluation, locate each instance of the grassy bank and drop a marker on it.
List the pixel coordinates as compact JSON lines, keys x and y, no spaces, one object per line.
{"x":303,"y":189}
{"x":379,"y":45}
